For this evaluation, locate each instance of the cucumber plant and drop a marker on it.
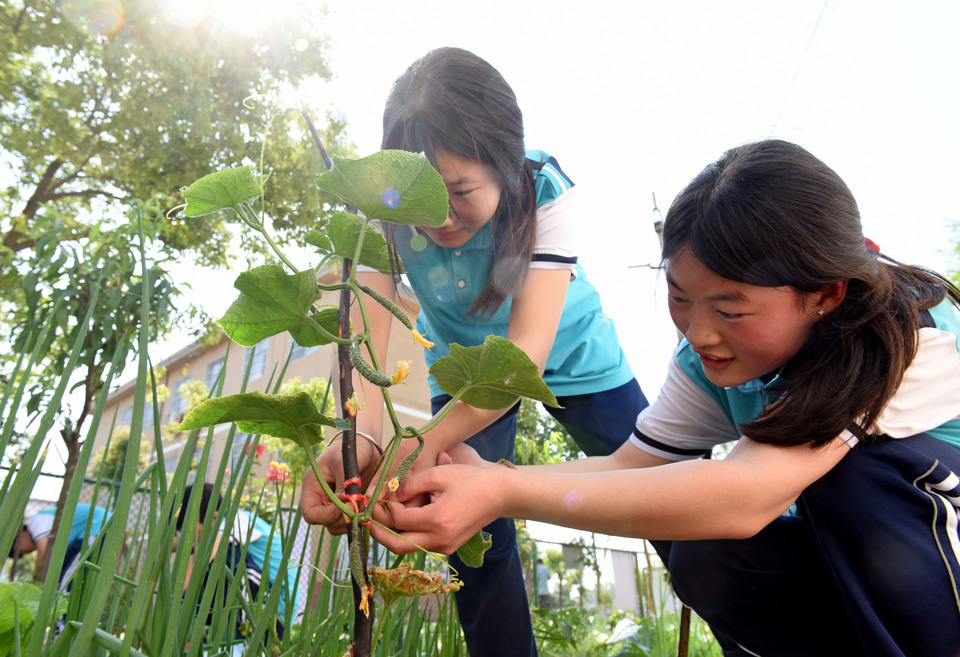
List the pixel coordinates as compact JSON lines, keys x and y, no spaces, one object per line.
{"x":390,"y":186}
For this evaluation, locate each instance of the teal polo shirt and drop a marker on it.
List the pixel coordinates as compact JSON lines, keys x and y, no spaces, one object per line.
{"x":586,"y":356}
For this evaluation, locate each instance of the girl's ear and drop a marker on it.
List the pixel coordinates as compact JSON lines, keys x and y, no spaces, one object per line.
{"x":830,"y":296}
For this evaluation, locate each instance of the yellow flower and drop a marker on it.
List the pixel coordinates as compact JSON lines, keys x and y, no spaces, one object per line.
{"x":422,"y":341}
{"x":401,"y":371}
{"x":393,"y":485}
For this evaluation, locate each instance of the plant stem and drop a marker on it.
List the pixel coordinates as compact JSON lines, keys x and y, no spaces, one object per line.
{"x":251,"y":219}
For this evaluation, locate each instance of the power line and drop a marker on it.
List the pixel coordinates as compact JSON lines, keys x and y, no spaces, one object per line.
{"x":814,"y":36}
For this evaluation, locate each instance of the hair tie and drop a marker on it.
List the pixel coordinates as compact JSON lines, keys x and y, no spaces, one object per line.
{"x":871,"y":246}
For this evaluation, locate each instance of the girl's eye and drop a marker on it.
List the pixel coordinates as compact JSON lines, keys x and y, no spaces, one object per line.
{"x":675,"y":299}
{"x":462,"y":193}
{"x":729,"y":315}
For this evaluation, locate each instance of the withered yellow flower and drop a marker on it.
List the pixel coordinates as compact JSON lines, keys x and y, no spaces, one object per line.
{"x":422,"y":341}
{"x":400,"y":371}
{"x":405,"y":582}
{"x":365,"y":594}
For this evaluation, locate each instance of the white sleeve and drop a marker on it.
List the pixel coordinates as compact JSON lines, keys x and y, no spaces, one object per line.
{"x":683,"y":422}
{"x":244,"y":528}
{"x":40,"y":525}
{"x":556,"y":239}
{"x":929,"y":394}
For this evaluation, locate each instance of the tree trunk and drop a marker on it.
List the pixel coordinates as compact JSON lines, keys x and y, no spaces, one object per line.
{"x":72,"y":441}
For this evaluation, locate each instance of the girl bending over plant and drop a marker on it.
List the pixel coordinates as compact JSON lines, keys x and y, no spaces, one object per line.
{"x":831,"y":527}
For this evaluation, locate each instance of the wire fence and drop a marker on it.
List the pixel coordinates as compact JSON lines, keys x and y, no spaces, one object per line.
{"x":144,"y":514}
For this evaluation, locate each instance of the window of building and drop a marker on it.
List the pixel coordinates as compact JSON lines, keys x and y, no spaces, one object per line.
{"x":125,"y":417}
{"x":178,"y":402}
{"x":213,"y":373}
{"x":297,"y":352}
{"x":259,"y":365}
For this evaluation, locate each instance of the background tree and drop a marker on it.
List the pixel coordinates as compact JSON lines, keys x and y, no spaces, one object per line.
{"x":553,"y":559}
{"x":108,"y":109}
{"x":541,"y":439}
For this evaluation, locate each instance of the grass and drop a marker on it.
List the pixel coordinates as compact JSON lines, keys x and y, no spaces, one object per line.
{"x":133,"y":594}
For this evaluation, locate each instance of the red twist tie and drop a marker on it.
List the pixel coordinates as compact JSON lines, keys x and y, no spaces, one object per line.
{"x":871,"y":246}
{"x":354,"y":498}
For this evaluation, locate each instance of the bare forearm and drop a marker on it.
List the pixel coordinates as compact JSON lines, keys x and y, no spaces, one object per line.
{"x":688,"y":500}
{"x":730,"y":498}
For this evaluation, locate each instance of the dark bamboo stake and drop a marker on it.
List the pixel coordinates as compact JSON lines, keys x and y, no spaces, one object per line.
{"x":362,"y":622}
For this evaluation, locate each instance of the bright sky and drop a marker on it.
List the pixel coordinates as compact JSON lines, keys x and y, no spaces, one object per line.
{"x":636,"y":98}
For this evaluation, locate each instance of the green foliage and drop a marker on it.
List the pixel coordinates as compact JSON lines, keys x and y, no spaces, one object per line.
{"x":294,"y":417}
{"x":590,"y":633}
{"x":343,"y":236}
{"x":104,"y":120}
{"x":19,"y":602}
{"x":75,"y":97}
{"x":223,"y":189}
{"x":109,"y":463}
{"x":491,"y":376}
{"x":292,"y":454}
{"x":272,"y":301}
{"x":394,"y":186}
{"x":472,"y":551}
{"x":150,"y":602}
{"x":541,"y":439}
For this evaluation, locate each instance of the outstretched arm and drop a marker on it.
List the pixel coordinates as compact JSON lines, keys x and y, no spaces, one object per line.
{"x":730,"y":498}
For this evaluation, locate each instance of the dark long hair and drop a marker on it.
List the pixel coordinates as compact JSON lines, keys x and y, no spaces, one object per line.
{"x":455,"y":101}
{"x":773,"y":215}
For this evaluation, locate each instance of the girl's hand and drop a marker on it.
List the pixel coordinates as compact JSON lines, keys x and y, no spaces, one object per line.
{"x":316,"y":508}
{"x":462,"y":454}
{"x":441,"y":509}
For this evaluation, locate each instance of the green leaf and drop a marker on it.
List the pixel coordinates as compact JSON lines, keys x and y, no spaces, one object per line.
{"x":344,"y":228}
{"x":395,"y":186}
{"x":306,"y":334}
{"x":220,"y":190}
{"x":471,"y":552}
{"x":25,"y":597}
{"x":271,"y":301}
{"x":319,"y":240}
{"x":283,"y":416}
{"x":494,"y":375}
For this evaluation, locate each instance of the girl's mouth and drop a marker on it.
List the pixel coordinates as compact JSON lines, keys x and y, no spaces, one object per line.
{"x":714,"y":363}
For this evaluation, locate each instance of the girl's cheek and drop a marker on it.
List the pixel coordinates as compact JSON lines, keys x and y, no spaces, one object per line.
{"x":678,"y":317}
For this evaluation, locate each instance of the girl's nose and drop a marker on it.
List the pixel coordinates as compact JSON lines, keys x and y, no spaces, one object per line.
{"x":448,"y":223}
{"x":699,"y":331}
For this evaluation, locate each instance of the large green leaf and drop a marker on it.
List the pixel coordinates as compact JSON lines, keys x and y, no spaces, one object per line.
{"x":395,"y":186}
{"x":306,"y":334}
{"x":471,"y":552}
{"x":283,"y":416}
{"x":25,"y":597}
{"x":494,"y":375}
{"x":221,"y":190}
{"x":343,"y":230}
{"x":271,"y":301}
